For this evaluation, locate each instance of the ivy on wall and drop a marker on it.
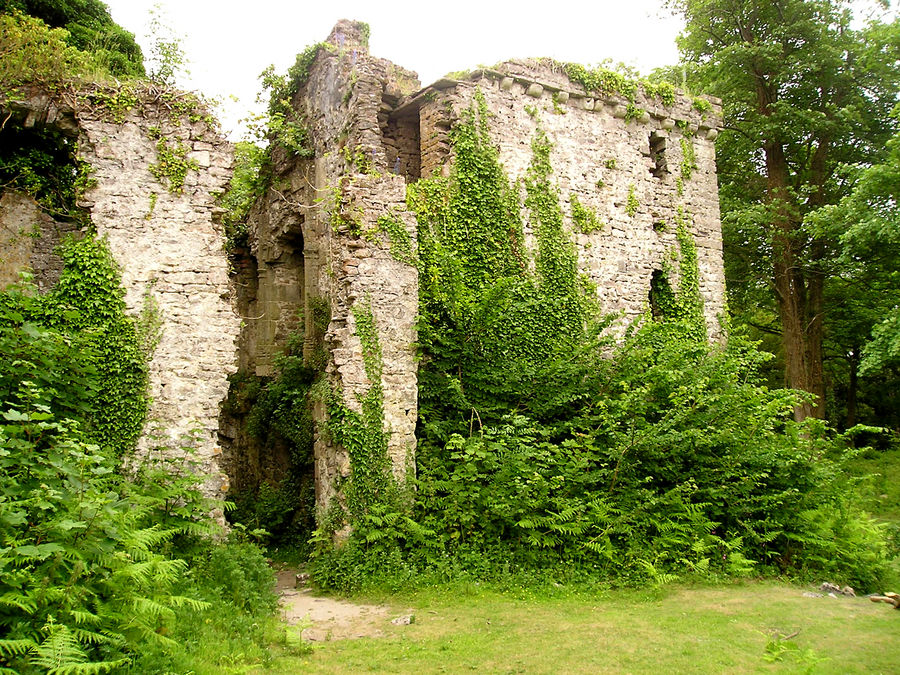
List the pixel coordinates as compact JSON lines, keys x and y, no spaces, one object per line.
{"x":89,"y":299}
{"x":172,"y":163}
{"x":362,"y":433}
{"x":584,"y":218}
{"x":685,"y":305}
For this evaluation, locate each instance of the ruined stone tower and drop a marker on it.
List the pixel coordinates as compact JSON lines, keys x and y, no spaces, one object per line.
{"x":637,"y":163}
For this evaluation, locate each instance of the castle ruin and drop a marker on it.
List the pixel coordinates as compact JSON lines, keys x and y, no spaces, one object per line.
{"x":639,"y":163}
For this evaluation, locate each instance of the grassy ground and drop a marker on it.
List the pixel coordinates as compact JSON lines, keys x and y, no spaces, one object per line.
{"x":733,"y":628}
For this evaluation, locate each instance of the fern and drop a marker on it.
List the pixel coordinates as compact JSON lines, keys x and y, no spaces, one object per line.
{"x":16,"y":647}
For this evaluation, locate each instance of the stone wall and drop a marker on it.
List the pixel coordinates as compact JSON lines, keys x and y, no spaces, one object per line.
{"x":606,"y":151}
{"x":28,"y":239}
{"x":169,"y":243}
{"x":167,"y":239}
{"x":316,"y":250}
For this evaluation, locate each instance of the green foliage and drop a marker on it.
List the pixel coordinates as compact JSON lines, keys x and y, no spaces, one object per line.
{"x":377,"y":507}
{"x":282,"y":124}
{"x":701,"y":105}
{"x":167,"y":58}
{"x":89,"y":300}
{"x":600,"y":80}
{"x":84,"y":577}
{"x":360,"y":159}
{"x":806,"y":92}
{"x":42,"y":164}
{"x":687,"y":304}
{"x":172,"y":165}
{"x":248,"y":182}
{"x":400,"y":242}
{"x":632,"y":112}
{"x":631,"y":202}
{"x":279,"y":418}
{"x":33,"y":53}
{"x":236,"y":629}
{"x":362,"y":433}
{"x":586,"y":221}
{"x":118,"y":101}
{"x":87,"y":26}
{"x":864,"y":337}
{"x":93,"y":567}
{"x":664,"y":91}
{"x":688,"y":158}
{"x":239,"y":574}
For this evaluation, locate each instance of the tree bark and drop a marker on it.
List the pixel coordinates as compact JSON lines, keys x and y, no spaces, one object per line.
{"x":799,"y":291}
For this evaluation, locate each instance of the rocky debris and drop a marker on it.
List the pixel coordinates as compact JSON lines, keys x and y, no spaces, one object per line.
{"x":834,"y":590}
{"x":404,"y":620}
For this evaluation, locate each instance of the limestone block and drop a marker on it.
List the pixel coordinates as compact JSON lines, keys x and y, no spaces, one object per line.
{"x":534,"y":90}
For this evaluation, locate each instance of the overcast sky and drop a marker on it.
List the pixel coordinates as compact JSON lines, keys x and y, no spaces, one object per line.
{"x":229,"y":43}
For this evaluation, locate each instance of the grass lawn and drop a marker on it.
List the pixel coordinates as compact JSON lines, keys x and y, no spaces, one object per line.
{"x":730,"y":628}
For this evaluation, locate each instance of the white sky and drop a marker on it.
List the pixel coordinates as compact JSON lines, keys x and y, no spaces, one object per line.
{"x":229,"y":43}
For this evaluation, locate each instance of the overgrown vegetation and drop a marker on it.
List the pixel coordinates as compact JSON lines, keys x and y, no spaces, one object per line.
{"x":98,"y":570}
{"x":277,"y":413}
{"x":86,"y":26}
{"x":652,"y":458}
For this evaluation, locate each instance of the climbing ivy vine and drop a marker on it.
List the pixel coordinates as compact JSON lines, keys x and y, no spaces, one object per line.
{"x":584,"y":218}
{"x":89,"y":299}
{"x":685,"y":305}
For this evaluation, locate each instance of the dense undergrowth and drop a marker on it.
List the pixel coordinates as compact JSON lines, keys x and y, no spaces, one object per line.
{"x":100,"y":571}
{"x":547,"y":446}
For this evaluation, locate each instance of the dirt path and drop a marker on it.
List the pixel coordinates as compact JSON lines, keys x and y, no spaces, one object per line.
{"x":329,"y":619}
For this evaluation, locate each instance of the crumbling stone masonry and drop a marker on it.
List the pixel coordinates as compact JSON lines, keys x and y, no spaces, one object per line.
{"x":640,"y":165}
{"x":168,"y":241}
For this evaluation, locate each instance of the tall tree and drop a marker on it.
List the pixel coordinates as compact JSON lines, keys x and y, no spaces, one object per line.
{"x":804,"y":94}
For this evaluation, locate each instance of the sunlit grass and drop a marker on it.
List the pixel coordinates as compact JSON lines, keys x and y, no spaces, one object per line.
{"x":733,"y":628}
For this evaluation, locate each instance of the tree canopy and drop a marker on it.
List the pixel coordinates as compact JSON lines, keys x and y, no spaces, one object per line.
{"x":90,"y":29}
{"x":806,"y":95}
